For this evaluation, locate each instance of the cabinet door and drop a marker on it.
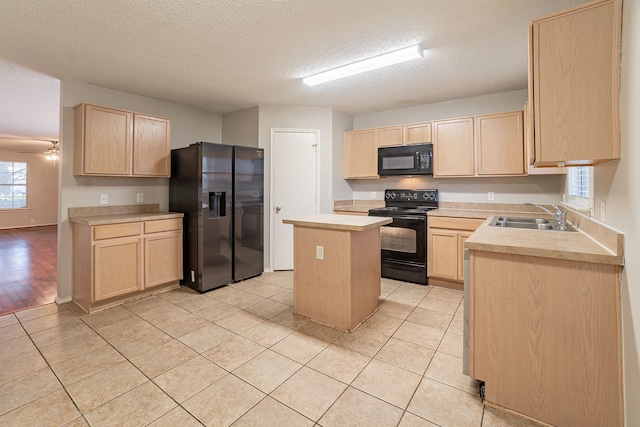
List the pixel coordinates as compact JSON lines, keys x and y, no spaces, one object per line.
{"x":117,"y":267}
{"x":162,"y":258}
{"x":151,"y":146}
{"x":576,"y":72}
{"x":443,"y":254}
{"x":453,"y":147}
{"x":106,"y":141}
{"x":389,"y":136}
{"x":417,"y":133}
{"x":361,"y":154}
{"x":499,"y":141}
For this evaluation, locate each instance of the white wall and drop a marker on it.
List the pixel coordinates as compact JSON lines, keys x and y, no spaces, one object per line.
{"x":486,"y":104}
{"x":341,"y":123}
{"x":616,"y":184}
{"x":536,"y":189}
{"x":241,"y":127}
{"x":540,"y":189}
{"x":42,"y":192}
{"x":188,"y":125}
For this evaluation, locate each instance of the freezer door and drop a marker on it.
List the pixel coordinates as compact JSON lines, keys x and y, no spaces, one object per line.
{"x":248,"y":240}
{"x":216,"y":216}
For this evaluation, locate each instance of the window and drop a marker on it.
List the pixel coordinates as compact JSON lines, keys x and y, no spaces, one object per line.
{"x":579,"y":190}
{"x":13,"y":185}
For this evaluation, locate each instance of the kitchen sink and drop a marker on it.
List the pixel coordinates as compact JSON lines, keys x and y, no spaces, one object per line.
{"x":527,"y":223}
{"x":523,"y":220}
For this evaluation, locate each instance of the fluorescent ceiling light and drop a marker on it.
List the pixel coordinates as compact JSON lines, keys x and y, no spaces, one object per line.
{"x":374,"y":63}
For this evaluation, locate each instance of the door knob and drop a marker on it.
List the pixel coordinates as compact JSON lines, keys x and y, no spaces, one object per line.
{"x":278,"y":209}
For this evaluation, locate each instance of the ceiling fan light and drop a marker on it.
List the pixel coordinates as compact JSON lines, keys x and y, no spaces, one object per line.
{"x":53,"y":153}
{"x":380,"y":61}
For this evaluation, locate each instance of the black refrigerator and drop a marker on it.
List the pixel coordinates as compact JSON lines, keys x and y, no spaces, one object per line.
{"x":219,"y":188}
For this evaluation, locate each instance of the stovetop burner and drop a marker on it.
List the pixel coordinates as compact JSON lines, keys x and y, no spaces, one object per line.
{"x":407,"y":202}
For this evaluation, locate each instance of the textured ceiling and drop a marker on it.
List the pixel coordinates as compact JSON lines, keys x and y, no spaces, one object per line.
{"x":226,"y":55}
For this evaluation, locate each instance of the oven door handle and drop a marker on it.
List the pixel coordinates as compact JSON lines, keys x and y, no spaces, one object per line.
{"x":411,"y":217}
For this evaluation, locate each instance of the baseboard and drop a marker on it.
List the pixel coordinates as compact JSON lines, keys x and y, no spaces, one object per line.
{"x":59,"y":300}
{"x":28,"y":226}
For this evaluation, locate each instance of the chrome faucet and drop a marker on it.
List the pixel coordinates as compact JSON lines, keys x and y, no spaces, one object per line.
{"x":560,"y":215}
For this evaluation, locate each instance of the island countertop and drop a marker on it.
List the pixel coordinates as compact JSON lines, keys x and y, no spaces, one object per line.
{"x":338,"y":222}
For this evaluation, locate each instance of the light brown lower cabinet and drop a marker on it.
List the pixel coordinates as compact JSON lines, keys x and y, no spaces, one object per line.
{"x":546,"y":337}
{"x":445,"y":243}
{"x":116,"y":262}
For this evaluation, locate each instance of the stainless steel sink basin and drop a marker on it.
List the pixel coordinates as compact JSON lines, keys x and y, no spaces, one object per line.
{"x":527,"y":223}
{"x":523,"y":220}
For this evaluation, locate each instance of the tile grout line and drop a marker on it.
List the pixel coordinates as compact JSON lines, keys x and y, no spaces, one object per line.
{"x":263,"y":320}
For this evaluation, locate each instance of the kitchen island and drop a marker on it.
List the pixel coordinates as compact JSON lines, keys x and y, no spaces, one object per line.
{"x":336,"y":271}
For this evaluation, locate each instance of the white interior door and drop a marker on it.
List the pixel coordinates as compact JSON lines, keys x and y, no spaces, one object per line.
{"x":294,"y":172}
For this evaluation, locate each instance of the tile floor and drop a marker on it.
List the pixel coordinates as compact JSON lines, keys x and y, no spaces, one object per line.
{"x":238,"y":356}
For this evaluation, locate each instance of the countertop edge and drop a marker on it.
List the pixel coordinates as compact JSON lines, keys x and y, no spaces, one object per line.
{"x":338,"y":222}
{"x":546,"y":253}
{"x":122,"y":218}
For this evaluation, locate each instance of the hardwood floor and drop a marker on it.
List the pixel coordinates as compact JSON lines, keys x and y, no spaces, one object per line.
{"x":28,"y":267}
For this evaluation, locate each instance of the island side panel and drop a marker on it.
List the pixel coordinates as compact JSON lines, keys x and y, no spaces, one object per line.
{"x":364,"y":275}
{"x":546,"y":337}
{"x":321,"y":286}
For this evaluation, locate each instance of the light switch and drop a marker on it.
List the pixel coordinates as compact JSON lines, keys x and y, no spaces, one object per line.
{"x":319,"y":252}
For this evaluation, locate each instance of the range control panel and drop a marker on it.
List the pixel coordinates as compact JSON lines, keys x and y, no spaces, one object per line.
{"x":411,"y":195}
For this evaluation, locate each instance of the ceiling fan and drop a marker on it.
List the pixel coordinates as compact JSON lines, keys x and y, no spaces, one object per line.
{"x":51,"y":154}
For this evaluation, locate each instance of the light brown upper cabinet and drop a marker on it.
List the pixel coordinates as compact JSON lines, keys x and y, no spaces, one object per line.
{"x":417,"y":133}
{"x":499,"y":144}
{"x":111,"y":142}
{"x":390,"y":136}
{"x":453,"y":147}
{"x":487,"y":145}
{"x":530,"y":149}
{"x":575,"y":84}
{"x":414,"y":133}
{"x":151,"y":146}
{"x":361,"y":154}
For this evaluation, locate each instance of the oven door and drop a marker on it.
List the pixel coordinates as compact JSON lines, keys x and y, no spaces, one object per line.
{"x":405,"y":239}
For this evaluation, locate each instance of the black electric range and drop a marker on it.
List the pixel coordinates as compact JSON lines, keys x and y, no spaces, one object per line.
{"x":404,"y":241}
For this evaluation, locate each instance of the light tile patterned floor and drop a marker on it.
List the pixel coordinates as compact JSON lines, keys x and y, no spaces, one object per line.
{"x":238,"y":356}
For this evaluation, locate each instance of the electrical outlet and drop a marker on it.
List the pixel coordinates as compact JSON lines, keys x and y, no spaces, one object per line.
{"x":32,"y":221}
{"x":491,"y":195}
{"x":104,"y":199}
{"x":319,"y":252}
{"x":139,"y":197}
{"x":373,"y":194}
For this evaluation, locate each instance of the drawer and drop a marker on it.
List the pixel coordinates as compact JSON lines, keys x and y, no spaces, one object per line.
{"x":111,"y":231}
{"x":469,"y":224}
{"x":162,"y":225}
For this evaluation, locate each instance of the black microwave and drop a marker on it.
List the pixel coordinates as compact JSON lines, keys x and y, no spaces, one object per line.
{"x":406,"y":160}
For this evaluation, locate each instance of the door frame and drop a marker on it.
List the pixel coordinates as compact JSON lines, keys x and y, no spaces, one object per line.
{"x":272,"y":218}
